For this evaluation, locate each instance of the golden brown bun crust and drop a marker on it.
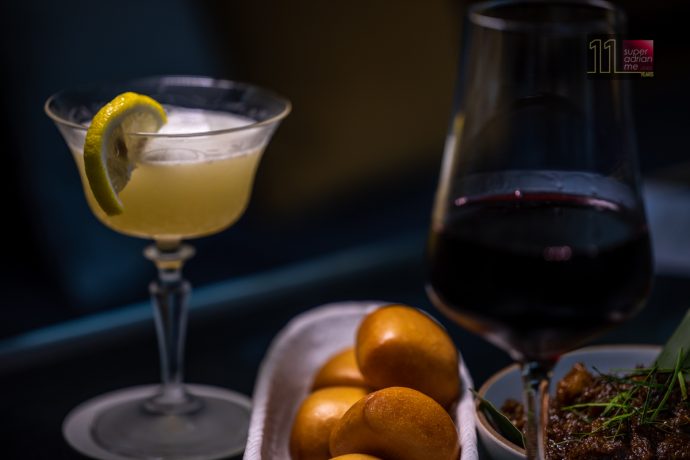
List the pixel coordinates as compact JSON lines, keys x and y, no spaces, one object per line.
{"x":398,"y":345}
{"x":356,"y":457}
{"x":399,"y":424}
{"x":315,"y":419}
{"x":340,"y":370}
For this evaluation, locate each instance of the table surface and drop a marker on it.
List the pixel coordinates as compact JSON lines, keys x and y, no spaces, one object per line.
{"x":226,"y":344}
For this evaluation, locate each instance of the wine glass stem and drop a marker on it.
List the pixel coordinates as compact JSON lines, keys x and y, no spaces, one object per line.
{"x":536,"y":377}
{"x":169,"y":295}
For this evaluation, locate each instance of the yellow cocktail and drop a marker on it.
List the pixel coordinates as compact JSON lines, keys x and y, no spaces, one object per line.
{"x":177,"y":193}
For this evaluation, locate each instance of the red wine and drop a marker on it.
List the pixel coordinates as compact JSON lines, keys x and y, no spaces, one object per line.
{"x":539,"y":273}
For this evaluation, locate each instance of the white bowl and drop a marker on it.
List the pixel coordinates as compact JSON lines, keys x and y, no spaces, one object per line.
{"x":293,"y":358}
{"x":507,"y":384}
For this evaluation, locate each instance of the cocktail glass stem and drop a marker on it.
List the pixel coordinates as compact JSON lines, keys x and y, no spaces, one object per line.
{"x":536,"y":377}
{"x":169,"y":295}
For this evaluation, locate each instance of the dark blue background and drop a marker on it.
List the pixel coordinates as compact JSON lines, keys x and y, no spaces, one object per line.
{"x":59,"y":263}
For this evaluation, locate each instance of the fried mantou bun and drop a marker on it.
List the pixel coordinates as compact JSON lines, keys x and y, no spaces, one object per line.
{"x":340,"y":370}
{"x":398,"y":345}
{"x":315,"y":419}
{"x":396,"y":423}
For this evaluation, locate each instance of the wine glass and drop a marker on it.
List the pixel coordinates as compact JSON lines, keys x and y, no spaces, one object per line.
{"x":193,"y":178}
{"x":539,"y":240}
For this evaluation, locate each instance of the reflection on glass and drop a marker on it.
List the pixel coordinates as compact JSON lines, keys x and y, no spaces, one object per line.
{"x":539,"y":240}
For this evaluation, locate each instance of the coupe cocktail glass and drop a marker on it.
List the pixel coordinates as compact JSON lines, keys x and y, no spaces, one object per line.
{"x":192,"y":178}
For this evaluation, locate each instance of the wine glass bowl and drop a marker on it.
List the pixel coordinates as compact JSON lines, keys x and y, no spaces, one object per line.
{"x":539,"y":240}
{"x":540,"y":272}
{"x":190,"y":179}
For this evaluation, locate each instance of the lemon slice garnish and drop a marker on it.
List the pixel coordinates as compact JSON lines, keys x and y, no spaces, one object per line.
{"x":110,"y":155}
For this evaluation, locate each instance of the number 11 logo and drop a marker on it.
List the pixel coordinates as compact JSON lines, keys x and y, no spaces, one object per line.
{"x":637,"y":57}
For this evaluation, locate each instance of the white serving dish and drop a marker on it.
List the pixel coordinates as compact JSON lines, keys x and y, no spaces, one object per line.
{"x":507,"y":384}
{"x":287,"y":371}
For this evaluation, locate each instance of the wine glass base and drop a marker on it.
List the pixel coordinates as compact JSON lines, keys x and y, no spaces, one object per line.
{"x":114,"y":426}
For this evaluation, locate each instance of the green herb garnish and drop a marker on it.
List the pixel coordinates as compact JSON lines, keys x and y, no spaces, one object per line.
{"x":679,"y":340}
{"x":654,"y":384}
{"x":499,"y":421}
{"x":670,"y":369}
{"x":619,"y":409}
